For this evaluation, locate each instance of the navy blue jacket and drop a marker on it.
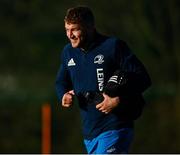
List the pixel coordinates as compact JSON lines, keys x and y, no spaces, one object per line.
{"x":90,"y":70}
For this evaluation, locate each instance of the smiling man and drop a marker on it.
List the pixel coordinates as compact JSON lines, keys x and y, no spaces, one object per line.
{"x":107,"y":79}
{"x":80,"y":35}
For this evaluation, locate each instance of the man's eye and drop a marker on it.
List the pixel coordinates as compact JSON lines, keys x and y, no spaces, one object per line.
{"x":77,"y":29}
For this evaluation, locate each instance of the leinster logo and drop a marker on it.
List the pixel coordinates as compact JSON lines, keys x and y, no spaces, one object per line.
{"x":99,"y":59}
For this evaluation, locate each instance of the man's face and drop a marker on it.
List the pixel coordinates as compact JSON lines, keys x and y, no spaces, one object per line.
{"x":76,"y":34}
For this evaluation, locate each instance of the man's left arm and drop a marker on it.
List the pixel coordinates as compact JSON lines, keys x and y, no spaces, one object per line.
{"x":130,"y":78}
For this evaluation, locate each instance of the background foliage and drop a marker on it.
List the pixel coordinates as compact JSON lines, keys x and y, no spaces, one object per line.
{"x":31,"y":39}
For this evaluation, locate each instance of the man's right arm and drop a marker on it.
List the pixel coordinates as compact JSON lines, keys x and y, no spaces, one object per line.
{"x":63,"y":84}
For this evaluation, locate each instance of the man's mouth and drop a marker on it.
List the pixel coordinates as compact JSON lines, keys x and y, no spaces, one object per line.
{"x":73,"y":41}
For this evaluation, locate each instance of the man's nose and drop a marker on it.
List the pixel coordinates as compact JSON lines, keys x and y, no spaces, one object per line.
{"x":70,"y":34}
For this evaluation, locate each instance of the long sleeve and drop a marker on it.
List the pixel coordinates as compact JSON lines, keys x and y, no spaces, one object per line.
{"x":133,"y":77}
{"x":128,"y":82}
{"x":63,"y":81}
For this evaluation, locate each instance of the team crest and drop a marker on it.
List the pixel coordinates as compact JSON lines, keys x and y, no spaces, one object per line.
{"x":99,"y":59}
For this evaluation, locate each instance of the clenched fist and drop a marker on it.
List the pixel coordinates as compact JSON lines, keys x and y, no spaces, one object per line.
{"x":67,"y":99}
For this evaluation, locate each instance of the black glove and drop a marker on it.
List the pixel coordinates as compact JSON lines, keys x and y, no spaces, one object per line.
{"x":111,"y":89}
{"x":94,"y":97}
{"x":131,"y":103}
{"x":116,"y":81}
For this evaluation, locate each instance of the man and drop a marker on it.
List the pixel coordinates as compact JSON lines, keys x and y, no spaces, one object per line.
{"x":107,"y":80}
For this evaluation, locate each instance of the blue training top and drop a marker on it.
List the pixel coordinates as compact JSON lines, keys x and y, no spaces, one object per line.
{"x":90,"y":70}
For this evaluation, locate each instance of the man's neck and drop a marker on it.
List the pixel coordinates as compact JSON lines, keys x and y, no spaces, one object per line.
{"x":89,"y":43}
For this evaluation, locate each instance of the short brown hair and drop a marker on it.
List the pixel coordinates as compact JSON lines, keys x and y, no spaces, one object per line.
{"x":80,"y":15}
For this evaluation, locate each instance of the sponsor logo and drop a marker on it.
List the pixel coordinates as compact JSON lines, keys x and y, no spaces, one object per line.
{"x":100,"y":78}
{"x":99,"y":59}
{"x":111,"y":150}
{"x":113,"y":79}
{"x":71,"y":62}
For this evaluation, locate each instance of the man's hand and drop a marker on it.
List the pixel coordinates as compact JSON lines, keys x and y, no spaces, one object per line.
{"x":67,"y":99}
{"x":108,"y":104}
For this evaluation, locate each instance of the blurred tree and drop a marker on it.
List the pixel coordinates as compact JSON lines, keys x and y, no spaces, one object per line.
{"x":32,"y":36}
